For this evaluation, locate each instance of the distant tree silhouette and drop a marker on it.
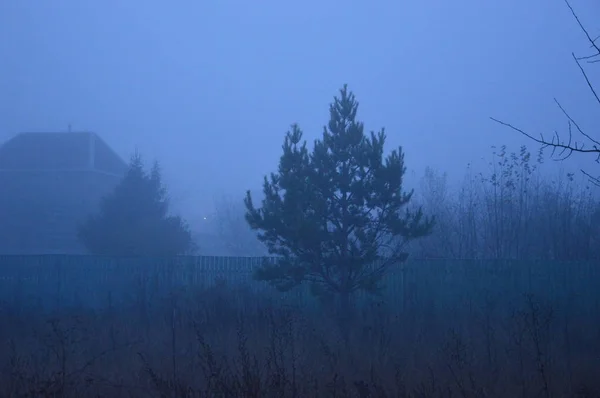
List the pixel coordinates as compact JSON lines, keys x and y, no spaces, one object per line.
{"x":336,"y":217}
{"x":512,"y":211}
{"x":134,"y":221}
{"x":233,"y":230}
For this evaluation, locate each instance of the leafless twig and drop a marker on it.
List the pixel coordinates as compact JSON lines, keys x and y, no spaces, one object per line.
{"x":566,"y":148}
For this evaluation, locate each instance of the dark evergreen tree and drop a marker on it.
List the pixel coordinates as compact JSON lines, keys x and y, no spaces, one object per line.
{"x":134,"y":219}
{"x":336,"y":217}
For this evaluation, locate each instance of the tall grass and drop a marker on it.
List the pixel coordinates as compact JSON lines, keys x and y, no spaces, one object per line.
{"x":453,"y":335}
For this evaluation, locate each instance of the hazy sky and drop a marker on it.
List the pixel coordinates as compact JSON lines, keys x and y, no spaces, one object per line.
{"x":210,"y":87}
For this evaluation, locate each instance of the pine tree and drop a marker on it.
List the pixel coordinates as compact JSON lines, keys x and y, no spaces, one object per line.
{"x":336,"y":217}
{"x":134,"y":219}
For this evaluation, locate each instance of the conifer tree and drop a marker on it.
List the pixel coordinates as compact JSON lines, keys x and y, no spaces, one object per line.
{"x":134,"y":219}
{"x":335,"y":217}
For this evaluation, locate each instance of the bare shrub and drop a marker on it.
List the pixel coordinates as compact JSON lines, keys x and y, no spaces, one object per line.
{"x":229,"y":342}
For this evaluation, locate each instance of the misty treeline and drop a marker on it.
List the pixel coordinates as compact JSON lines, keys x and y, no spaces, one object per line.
{"x":513,"y":211}
{"x":338,"y":215}
{"x":516,"y":209}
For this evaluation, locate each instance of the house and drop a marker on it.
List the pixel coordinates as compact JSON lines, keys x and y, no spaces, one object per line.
{"x":49,"y":184}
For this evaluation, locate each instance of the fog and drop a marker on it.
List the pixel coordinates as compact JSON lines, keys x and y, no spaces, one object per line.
{"x":492,"y":291}
{"x":209,"y":88}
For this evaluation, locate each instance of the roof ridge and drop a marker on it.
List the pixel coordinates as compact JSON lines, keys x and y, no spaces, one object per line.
{"x":58,"y":150}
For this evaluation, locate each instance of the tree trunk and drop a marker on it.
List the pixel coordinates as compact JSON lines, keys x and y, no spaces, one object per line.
{"x":345,"y":313}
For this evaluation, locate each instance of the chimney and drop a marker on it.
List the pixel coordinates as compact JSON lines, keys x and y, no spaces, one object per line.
{"x":92,"y":151}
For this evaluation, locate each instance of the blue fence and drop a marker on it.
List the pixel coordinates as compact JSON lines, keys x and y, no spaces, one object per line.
{"x":57,"y":280}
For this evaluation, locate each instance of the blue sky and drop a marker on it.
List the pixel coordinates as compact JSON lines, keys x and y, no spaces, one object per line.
{"x":209,"y":88}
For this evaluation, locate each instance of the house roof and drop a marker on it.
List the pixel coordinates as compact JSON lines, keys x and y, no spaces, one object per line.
{"x":59,"y":151}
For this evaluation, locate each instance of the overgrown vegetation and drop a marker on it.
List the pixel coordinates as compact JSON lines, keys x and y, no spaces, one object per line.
{"x":515,"y":210}
{"x":228,"y":342}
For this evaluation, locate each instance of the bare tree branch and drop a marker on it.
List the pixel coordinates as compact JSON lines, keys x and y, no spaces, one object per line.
{"x":587,"y":35}
{"x":593,"y":180}
{"x":556,"y":143}
{"x":566,"y":148}
{"x":587,"y":80}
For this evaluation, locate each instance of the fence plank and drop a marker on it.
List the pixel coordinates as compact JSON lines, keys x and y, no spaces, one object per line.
{"x":89,"y":280}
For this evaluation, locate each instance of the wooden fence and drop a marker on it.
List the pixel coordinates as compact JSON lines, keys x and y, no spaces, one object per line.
{"x":75,"y":280}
